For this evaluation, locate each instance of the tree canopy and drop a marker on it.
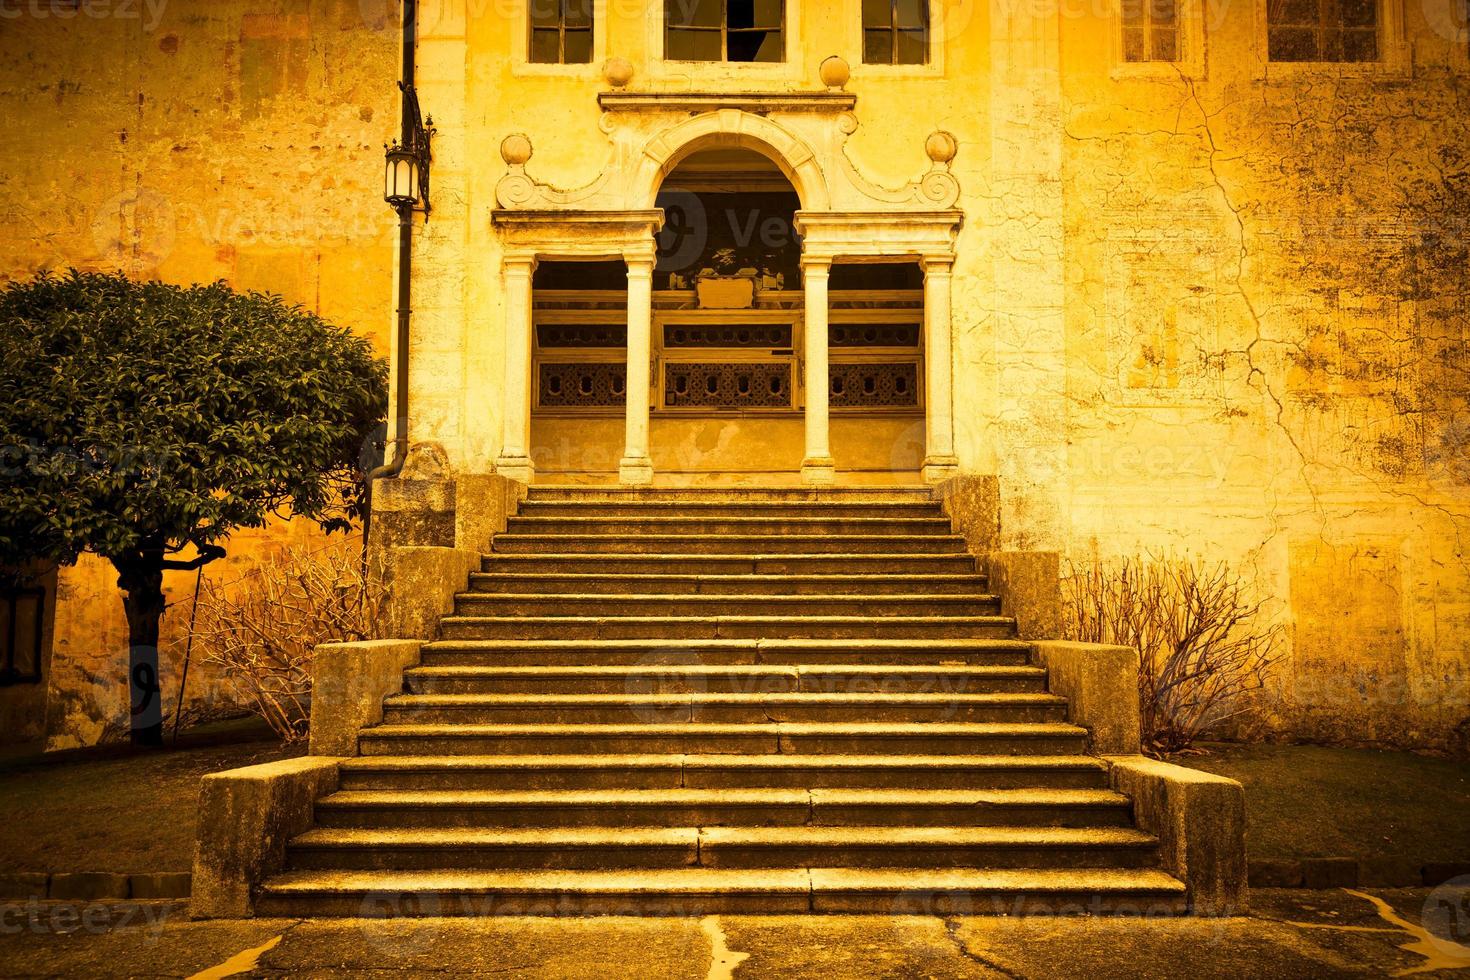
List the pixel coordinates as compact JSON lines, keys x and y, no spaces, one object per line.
{"x":141,"y":419}
{"x":137,"y":412}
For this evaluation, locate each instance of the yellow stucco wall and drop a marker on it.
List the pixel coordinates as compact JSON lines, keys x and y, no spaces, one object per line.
{"x":191,"y":142}
{"x":1199,"y":311}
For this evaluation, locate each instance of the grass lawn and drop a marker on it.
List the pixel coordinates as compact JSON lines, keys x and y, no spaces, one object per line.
{"x":1307,"y":801}
{"x":116,"y":809}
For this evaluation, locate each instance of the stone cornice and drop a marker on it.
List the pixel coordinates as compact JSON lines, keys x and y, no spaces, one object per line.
{"x":759,"y":103}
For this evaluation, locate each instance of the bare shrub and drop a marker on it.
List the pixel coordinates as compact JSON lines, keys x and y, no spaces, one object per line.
{"x":260,"y":632}
{"x":1204,"y":645}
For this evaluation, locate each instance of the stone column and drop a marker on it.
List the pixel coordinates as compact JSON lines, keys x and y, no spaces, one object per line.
{"x":817,"y":466}
{"x":940,"y":462}
{"x":515,"y":458}
{"x":635,"y":466}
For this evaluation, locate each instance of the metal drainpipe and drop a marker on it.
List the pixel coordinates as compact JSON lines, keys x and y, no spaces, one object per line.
{"x":393,"y":467}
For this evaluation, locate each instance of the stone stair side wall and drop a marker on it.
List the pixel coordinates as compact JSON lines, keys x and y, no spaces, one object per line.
{"x":1198,"y":817}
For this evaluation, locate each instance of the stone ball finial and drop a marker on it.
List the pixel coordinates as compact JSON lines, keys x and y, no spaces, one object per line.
{"x":834,"y":72}
{"x":618,"y":72}
{"x":941,"y":146}
{"x":515,"y":149}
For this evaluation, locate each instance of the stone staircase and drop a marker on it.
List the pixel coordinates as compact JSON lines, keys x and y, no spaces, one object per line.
{"x":701,"y":701}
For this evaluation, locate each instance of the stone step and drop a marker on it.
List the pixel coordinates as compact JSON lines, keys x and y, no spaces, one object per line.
{"x":744,"y":651}
{"x":786,"y":738}
{"x":737,"y":678}
{"x":588,"y":583}
{"x":717,"y":708}
{"x":708,"y":891}
{"x":607,"y":848}
{"x":749,"y":494}
{"x":729,"y":771}
{"x":730,"y":544}
{"x":468,"y":604}
{"x":737,"y":508}
{"x":662,"y":526}
{"x":723,"y":627}
{"x":675,"y":563}
{"x":763,"y":807}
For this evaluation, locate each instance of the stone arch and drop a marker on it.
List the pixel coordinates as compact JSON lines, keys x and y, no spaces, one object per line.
{"x":731,"y":128}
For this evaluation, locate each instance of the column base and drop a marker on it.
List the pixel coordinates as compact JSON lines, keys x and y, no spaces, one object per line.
{"x":819,"y":470}
{"x":937,"y":469}
{"x":518,"y":468}
{"x":636,"y":471}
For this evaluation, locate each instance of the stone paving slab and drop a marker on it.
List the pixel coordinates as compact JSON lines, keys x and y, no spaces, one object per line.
{"x":1339,"y":933}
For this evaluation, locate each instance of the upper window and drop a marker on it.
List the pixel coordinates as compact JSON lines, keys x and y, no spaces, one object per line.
{"x":895,"y":32}
{"x":1151,"y":30}
{"x":20,"y":632}
{"x":725,"y":30}
{"x":1322,"y":30}
{"x":561,"y":32}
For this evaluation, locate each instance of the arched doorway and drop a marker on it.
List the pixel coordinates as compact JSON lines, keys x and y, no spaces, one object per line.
{"x":728,"y":365}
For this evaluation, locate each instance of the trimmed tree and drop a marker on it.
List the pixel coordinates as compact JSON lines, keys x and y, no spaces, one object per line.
{"x":140,"y":420}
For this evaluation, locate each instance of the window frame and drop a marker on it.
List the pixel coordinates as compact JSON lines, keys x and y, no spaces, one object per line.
{"x":724,"y":31}
{"x":8,"y":675}
{"x":522,"y":65}
{"x":1191,"y":63}
{"x":1394,"y":51}
{"x":894,"y":31}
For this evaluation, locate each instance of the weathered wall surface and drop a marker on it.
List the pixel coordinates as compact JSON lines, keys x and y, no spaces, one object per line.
{"x":192,"y":141}
{"x":1268,"y":303}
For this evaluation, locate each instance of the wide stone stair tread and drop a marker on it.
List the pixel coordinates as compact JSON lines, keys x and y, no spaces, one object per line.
{"x":772,"y":645}
{"x":699,"y":890}
{"x":532,"y":763}
{"x":779,"y":699}
{"x":707,"y":599}
{"x":928,"y":729}
{"x":797,"y":673}
{"x":1029,"y":797}
{"x":663,"y":584}
{"x":654,"y":621}
{"x":813,"y":836}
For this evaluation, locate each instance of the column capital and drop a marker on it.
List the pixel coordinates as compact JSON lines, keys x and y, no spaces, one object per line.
{"x":519,"y":263}
{"x":820,"y":264}
{"x":641,"y":258}
{"x":940,"y":265}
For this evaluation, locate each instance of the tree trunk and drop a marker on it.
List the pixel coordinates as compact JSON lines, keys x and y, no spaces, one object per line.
{"x":140,"y":577}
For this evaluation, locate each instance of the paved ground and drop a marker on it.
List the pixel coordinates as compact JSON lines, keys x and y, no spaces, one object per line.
{"x":1288,"y":934}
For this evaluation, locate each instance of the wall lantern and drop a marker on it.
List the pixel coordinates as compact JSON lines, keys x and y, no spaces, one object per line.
{"x":406,"y":169}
